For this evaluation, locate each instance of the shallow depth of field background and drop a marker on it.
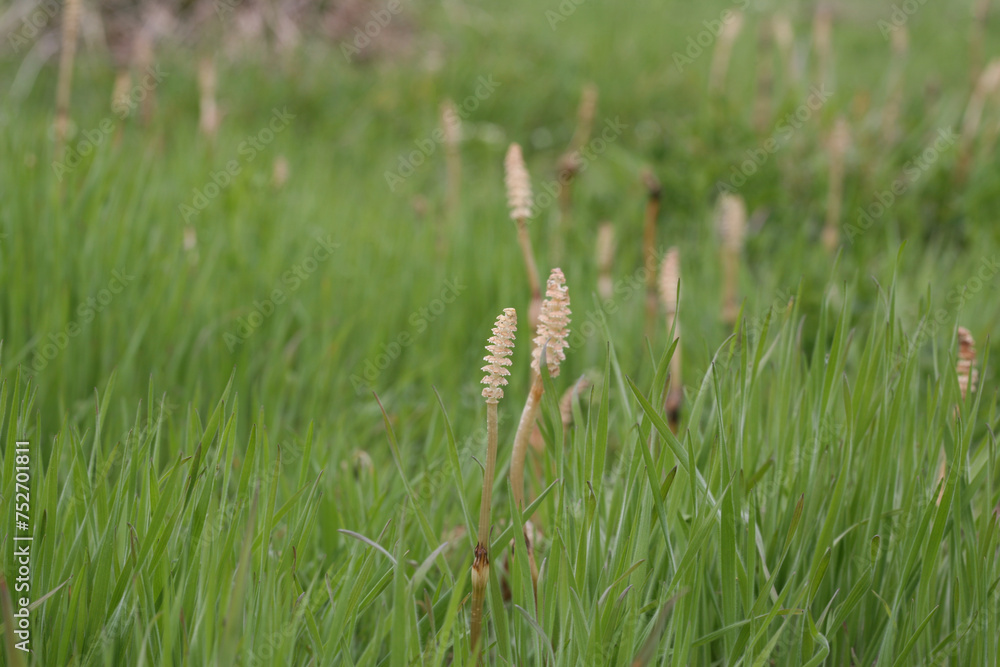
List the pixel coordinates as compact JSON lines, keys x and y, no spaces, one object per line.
{"x":195,"y":327}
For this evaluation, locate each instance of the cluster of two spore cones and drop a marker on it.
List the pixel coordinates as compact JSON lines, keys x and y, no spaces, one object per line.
{"x":550,"y":318}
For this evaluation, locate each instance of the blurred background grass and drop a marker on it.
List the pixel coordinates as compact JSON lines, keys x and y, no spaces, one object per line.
{"x":352,"y":123}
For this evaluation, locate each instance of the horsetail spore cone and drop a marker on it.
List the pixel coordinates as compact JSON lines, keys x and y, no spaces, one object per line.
{"x":501,"y":345}
{"x":553,"y":330}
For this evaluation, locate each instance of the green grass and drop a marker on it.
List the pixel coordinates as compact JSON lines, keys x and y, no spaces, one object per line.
{"x":199,"y":496}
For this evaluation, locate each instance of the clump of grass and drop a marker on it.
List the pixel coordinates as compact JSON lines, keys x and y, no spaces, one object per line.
{"x":670,"y":280}
{"x":837,"y":145}
{"x":732,"y":225}
{"x":519,"y":200}
{"x":501,"y":345}
{"x":551,"y":335}
{"x":654,"y":192}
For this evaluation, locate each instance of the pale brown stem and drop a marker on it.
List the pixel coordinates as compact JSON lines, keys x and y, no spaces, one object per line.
{"x":64,"y":85}
{"x":481,"y":554}
{"x":675,"y":394}
{"x":765,"y":79}
{"x":453,"y":165}
{"x":834,"y":196}
{"x":529,"y":264}
{"x":521,"y":440}
{"x":566,"y":178}
{"x":976,"y":39}
{"x":649,"y":256}
{"x":730,"y":271}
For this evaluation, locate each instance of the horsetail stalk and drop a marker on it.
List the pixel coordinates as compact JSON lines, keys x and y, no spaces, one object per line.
{"x":501,"y":344}
{"x":518,"y":183}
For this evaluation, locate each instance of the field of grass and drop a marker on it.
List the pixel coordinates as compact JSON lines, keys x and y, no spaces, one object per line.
{"x":253,"y":403}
